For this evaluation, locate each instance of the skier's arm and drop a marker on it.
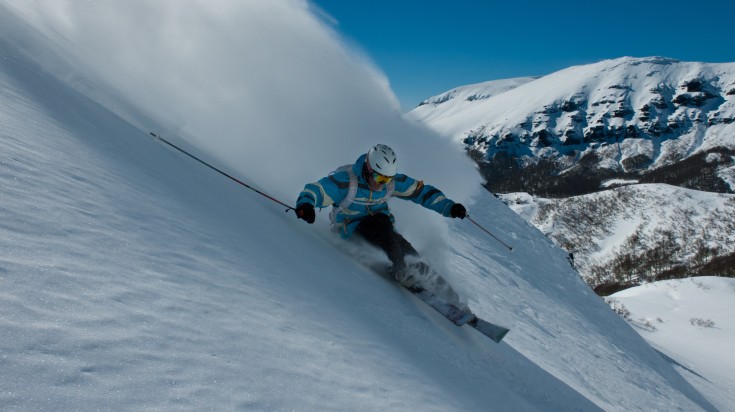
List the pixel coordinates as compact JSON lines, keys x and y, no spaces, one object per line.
{"x":427,"y":196}
{"x":325,"y":192}
{"x":322,"y":193}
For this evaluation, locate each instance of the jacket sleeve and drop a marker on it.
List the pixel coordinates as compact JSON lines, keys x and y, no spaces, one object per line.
{"x":427,"y":196}
{"x":325,"y":192}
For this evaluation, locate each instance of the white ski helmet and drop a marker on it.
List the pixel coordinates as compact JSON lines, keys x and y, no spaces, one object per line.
{"x":382,"y":159}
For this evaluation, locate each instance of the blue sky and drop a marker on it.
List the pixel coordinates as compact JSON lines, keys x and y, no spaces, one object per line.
{"x":426,"y":47}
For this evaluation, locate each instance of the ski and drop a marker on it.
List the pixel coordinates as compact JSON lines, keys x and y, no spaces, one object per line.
{"x":461,"y":316}
{"x":456,"y":315}
{"x":491,"y":330}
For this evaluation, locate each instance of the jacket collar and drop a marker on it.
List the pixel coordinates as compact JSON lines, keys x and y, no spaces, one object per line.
{"x":357,"y":168}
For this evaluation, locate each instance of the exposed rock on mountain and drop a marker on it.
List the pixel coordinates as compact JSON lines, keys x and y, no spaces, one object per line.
{"x":628,"y":118}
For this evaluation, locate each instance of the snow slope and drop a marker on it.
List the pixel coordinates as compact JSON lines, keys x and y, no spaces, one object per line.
{"x":133,"y":278}
{"x":689,"y":320}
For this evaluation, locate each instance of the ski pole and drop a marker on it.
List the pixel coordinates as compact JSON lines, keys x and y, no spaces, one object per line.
{"x":488,"y":232}
{"x":158,"y":137}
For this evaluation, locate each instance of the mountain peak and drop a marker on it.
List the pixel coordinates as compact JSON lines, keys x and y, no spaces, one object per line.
{"x":614,"y":118}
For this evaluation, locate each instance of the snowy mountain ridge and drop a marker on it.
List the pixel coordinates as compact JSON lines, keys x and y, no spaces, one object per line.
{"x":480,"y":91}
{"x":617,"y":118}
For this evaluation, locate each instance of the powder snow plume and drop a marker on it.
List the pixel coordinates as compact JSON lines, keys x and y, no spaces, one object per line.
{"x":267,"y":89}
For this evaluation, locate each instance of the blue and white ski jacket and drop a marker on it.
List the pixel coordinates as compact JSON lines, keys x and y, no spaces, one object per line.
{"x":334,"y":188}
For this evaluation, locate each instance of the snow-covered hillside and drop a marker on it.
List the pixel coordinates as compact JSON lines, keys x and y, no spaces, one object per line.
{"x":637,"y":232}
{"x":689,"y":320}
{"x":612,"y":118}
{"x":134,"y":278}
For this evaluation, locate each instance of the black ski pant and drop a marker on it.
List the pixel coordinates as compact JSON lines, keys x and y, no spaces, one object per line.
{"x":378,"y":230}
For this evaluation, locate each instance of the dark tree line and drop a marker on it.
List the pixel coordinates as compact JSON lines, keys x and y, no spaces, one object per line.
{"x":547,"y":177}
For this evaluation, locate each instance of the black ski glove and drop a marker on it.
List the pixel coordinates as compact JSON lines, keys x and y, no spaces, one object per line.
{"x":458,"y":211}
{"x":306,"y":211}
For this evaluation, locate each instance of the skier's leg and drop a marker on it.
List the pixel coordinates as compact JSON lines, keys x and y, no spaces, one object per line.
{"x":378,"y":230}
{"x":405,"y":246}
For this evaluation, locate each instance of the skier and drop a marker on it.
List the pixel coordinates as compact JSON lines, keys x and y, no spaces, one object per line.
{"x":358,"y":194}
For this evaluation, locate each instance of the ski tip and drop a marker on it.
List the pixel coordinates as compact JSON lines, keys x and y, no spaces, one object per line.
{"x":501,"y":336}
{"x":155,"y":135}
{"x":491,"y":330}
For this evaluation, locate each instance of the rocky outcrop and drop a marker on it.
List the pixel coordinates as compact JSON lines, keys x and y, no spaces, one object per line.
{"x":652,"y":113}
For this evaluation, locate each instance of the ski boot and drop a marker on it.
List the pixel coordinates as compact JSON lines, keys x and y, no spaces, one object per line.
{"x":407,"y":277}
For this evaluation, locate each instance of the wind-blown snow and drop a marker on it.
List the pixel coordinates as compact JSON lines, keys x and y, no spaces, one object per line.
{"x":134,"y":278}
{"x":261,"y":86}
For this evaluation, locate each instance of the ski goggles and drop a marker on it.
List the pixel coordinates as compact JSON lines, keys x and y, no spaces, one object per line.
{"x":381,"y":179}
